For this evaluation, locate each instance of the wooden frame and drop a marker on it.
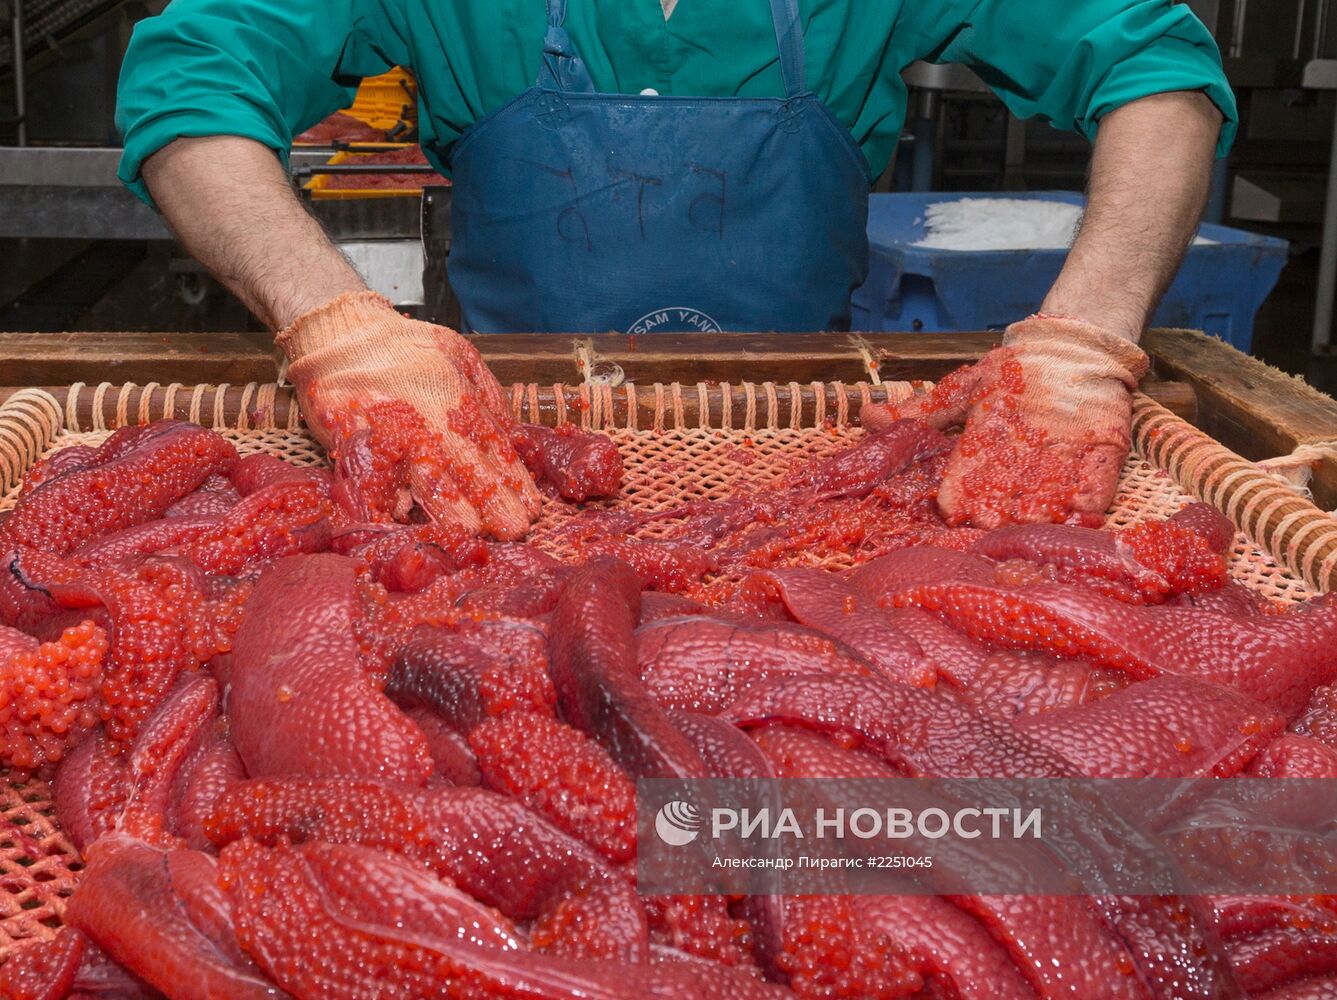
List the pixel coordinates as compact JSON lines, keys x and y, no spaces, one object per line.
{"x":65,"y":358}
{"x":1247,"y":406}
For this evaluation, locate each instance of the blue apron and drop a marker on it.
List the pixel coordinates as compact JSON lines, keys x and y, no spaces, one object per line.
{"x":581,"y":212}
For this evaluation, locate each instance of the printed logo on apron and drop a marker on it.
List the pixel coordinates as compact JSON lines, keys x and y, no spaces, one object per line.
{"x":675,"y":318}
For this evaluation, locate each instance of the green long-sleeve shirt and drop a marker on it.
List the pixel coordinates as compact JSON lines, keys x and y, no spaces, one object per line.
{"x":268,"y":69}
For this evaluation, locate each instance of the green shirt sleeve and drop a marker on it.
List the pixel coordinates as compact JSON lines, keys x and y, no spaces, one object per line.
{"x":1072,"y":63}
{"x":262,"y":69}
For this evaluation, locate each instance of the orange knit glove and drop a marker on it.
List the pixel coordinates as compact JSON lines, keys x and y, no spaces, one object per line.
{"x":410,"y":415}
{"x":1047,"y":420}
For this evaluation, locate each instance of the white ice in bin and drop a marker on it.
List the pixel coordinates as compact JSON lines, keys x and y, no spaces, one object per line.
{"x":1002,"y":224}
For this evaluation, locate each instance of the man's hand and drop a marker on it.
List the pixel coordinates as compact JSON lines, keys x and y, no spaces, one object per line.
{"x":410,"y":414}
{"x":1046,"y":420}
{"x":408,"y":410}
{"x":1047,"y":415}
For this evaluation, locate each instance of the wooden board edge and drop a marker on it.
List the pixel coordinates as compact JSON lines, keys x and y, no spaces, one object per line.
{"x":1250,"y":407}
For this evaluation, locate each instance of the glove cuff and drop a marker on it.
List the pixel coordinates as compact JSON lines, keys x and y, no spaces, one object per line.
{"x":326,"y":324}
{"x":1077,"y":335}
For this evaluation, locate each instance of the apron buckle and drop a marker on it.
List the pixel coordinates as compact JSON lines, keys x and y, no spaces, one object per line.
{"x":792,"y":113}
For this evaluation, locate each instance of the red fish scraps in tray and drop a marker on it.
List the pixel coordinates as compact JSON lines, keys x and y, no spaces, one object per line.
{"x":389,"y":181}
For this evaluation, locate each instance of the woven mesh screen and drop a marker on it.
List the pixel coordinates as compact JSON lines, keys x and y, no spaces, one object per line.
{"x":667,"y":468}
{"x":38,"y":866}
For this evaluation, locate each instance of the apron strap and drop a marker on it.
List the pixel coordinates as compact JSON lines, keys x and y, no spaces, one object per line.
{"x":562,"y":69}
{"x":789,"y":35}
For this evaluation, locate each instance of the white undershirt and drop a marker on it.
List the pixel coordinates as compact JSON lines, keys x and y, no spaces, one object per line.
{"x":668,"y":6}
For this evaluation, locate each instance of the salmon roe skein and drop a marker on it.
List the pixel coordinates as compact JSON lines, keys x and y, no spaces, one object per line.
{"x":48,"y":692}
{"x":385,"y":620}
{"x":836,"y":528}
{"x":62,"y":461}
{"x":161,"y":625}
{"x":574,"y":463}
{"x":701,"y":926}
{"x":831,"y":950}
{"x":260,"y":530}
{"x":567,"y":930}
{"x":40,"y":970}
{"x":1182,"y":556}
{"x":507,"y":687}
{"x":1012,"y":620}
{"x":563,"y":775}
{"x":148,"y":470}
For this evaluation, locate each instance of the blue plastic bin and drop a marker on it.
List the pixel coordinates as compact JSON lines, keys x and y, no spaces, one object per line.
{"x":1218,"y":289}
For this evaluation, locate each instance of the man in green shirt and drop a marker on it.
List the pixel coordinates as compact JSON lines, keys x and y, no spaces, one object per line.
{"x":677,"y":162}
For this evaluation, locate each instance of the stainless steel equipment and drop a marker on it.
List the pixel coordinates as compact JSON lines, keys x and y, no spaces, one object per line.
{"x":1321,"y":74}
{"x":68,"y":193}
{"x":20,"y":72}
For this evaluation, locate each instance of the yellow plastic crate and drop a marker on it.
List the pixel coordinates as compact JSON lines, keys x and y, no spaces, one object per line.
{"x":385,"y":100}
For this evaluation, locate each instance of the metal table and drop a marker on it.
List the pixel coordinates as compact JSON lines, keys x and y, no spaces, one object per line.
{"x":73,"y":193}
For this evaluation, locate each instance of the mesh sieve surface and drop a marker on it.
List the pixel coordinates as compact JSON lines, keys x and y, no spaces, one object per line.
{"x":38,"y":865}
{"x":671,"y":467}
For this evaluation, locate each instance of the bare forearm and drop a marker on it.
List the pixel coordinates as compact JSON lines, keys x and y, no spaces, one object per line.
{"x":1149,"y":180}
{"x":230,"y":203}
